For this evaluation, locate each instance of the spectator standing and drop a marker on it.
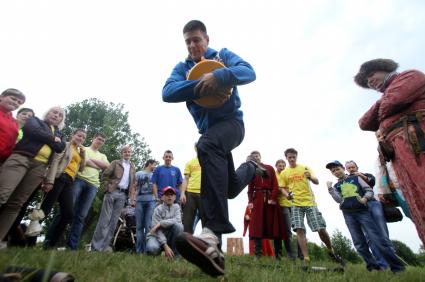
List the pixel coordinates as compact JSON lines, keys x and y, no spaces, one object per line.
{"x":85,"y":187}
{"x":146,"y":200}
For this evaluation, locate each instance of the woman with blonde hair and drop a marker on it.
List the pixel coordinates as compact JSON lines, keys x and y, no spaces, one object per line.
{"x":24,"y":170}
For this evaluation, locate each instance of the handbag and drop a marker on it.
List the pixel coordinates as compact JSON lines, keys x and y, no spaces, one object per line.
{"x":391,"y":213}
{"x":391,"y":200}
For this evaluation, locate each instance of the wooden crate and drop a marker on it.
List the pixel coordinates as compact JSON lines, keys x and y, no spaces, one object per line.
{"x":235,"y":247}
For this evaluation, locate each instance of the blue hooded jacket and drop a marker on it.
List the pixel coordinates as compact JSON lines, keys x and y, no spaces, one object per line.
{"x":178,"y":89}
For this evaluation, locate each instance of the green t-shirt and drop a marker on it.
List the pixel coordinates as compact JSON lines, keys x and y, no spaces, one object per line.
{"x":20,"y":135}
{"x":90,"y":174}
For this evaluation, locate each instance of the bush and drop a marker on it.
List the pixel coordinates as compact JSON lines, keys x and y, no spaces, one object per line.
{"x":316,"y":252}
{"x":403,"y":251}
{"x":342,"y":245}
{"x":421,"y":255}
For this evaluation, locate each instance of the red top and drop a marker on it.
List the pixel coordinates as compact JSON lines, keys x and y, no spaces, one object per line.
{"x":8,"y":133}
{"x":404,"y":94}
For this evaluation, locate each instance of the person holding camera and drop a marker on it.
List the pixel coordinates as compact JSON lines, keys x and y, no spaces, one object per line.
{"x":147,"y":196}
{"x":296,"y":178}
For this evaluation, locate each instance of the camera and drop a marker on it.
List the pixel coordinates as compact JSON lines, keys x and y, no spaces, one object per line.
{"x":290,"y":196}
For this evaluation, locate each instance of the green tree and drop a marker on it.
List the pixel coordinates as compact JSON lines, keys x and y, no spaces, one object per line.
{"x":111,"y":119}
{"x":342,"y":245}
{"x":403,"y":251}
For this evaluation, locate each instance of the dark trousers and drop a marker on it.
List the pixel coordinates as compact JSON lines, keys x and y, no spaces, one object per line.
{"x":190,"y":209}
{"x":219,"y":180}
{"x":258,"y":244}
{"x":61,"y":192}
{"x":286,"y":215}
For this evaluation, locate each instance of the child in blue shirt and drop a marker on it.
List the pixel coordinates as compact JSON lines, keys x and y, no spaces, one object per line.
{"x":352,"y":193}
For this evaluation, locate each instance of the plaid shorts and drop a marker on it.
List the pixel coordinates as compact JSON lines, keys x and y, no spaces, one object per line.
{"x":315,"y":219}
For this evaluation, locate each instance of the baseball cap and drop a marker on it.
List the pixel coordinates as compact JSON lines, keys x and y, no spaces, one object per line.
{"x":333,"y":164}
{"x":167,"y":189}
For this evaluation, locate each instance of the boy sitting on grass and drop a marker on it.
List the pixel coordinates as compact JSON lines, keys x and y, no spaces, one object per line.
{"x":352,"y":193}
{"x":166,"y":226}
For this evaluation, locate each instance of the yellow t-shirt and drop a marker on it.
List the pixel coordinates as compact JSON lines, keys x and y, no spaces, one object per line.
{"x":44,"y":153}
{"x":90,"y":174}
{"x":295,"y":180}
{"x":74,"y":164}
{"x":283,"y":201}
{"x":193,"y":170}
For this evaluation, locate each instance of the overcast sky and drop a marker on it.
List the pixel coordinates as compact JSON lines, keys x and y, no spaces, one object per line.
{"x":305,"y":55}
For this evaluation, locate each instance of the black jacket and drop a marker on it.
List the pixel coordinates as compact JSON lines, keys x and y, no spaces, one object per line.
{"x":36,"y":134}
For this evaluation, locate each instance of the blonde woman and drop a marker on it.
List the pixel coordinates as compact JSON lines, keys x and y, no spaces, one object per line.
{"x":24,"y":170}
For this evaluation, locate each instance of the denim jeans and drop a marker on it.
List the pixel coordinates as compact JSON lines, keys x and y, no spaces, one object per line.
{"x":361,"y":221}
{"x":83,"y":196}
{"x":219,"y":180}
{"x":375,"y":210}
{"x":143,"y":215}
{"x":154,"y":248}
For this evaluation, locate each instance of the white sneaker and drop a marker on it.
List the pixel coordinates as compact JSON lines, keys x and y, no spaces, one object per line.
{"x":202,"y":251}
{"x":3,"y":245}
{"x":208,"y":236}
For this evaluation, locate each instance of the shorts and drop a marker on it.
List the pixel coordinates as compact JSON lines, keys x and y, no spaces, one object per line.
{"x":315,"y":219}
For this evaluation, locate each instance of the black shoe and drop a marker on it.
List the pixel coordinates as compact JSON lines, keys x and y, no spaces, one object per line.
{"x":335,"y":257}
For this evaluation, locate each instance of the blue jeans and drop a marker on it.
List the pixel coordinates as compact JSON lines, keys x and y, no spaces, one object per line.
{"x":83,"y":196}
{"x":143,"y":214}
{"x":375,"y":210}
{"x":361,"y":221}
{"x":154,"y":248}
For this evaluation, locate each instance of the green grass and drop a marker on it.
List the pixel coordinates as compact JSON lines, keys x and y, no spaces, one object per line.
{"x":127,"y":267}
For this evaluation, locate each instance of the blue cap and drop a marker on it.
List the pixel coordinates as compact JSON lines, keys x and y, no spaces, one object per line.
{"x":333,"y":164}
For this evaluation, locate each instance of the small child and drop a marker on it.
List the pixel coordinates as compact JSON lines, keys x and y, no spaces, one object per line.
{"x":10,"y":100}
{"x":353,"y":193}
{"x":166,"y":226}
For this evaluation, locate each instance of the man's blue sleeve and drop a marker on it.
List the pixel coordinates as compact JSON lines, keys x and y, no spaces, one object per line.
{"x":237,"y":71}
{"x":177,"y":88}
